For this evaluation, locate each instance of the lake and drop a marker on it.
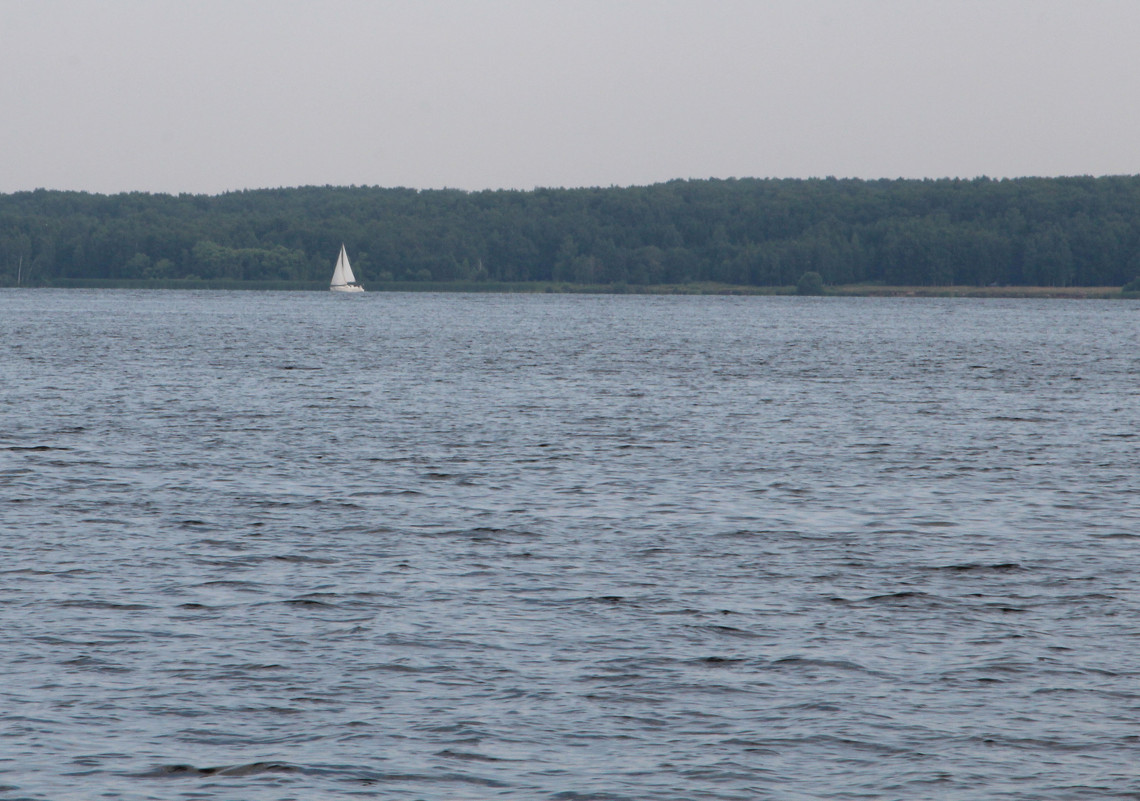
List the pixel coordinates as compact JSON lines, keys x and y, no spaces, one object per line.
{"x":416,"y":546}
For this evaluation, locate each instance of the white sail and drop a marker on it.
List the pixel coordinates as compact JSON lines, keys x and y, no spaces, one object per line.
{"x":349,"y":278}
{"x":342,"y":279}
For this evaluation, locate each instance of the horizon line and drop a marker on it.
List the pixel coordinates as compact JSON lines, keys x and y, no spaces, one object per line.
{"x":582,"y":187}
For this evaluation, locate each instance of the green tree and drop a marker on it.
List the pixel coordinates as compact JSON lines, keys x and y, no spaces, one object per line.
{"x":810,"y":283}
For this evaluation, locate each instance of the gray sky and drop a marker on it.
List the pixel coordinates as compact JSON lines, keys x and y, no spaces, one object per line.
{"x":213,"y":95}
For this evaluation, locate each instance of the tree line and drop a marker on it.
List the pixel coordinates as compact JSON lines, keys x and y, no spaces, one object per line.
{"x":1080,"y":231}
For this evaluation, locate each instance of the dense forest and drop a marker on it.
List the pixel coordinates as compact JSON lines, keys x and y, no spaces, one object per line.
{"x":1019,"y":232}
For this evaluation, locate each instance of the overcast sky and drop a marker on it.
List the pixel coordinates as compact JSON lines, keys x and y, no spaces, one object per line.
{"x":213,"y":95}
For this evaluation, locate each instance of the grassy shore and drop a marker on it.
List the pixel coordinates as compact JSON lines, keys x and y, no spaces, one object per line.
{"x":866,"y":290}
{"x":847,"y":290}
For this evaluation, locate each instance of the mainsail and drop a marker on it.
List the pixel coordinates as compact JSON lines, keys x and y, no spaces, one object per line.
{"x":343,"y":273}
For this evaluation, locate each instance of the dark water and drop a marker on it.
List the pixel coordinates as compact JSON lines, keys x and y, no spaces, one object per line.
{"x":298,"y":546}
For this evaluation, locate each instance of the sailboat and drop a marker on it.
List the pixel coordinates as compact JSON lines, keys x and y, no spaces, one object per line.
{"x":343,"y":280}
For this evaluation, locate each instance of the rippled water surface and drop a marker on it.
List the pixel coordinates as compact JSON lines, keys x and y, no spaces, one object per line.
{"x":299,"y":546}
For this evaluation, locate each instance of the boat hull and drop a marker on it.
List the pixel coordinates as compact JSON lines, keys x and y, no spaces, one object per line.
{"x":346,"y":288}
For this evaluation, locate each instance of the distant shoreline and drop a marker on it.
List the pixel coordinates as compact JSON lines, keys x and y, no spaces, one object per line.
{"x":551,"y":287}
{"x":1078,"y":292}
{"x":738,"y":236}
